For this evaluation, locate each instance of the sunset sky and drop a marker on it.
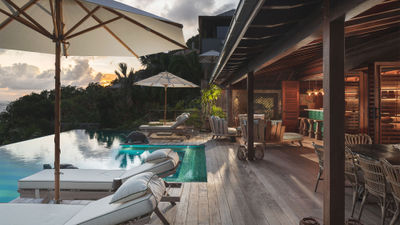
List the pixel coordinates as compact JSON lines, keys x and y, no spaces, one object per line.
{"x":25,"y":72}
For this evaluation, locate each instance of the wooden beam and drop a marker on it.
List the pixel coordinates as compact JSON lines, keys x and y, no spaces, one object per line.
{"x":146,"y":28}
{"x":82,"y":20}
{"x":333,"y":83}
{"x":20,"y":11}
{"x":10,"y":19}
{"x":108,"y":30}
{"x":250,"y":115}
{"x":93,"y":28}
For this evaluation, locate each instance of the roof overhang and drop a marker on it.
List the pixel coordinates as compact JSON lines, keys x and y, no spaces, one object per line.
{"x":262,"y":32}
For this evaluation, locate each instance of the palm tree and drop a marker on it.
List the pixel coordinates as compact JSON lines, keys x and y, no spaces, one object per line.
{"x":126,"y":81}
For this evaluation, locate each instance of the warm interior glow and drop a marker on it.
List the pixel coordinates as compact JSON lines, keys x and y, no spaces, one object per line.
{"x":106,"y":79}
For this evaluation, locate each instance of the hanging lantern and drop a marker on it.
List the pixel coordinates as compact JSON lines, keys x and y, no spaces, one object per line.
{"x":321,"y":91}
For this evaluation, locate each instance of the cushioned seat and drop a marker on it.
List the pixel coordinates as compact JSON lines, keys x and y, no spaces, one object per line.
{"x":289,"y":136}
{"x":96,"y":180}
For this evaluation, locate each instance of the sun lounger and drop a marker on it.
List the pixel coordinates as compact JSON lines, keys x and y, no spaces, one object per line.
{"x":177,"y":127}
{"x":135,"y":202}
{"x":92,"y":184}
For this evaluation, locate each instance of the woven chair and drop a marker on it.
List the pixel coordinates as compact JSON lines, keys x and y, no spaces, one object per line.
{"x":319,"y":150}
{"x":353,"y":175}
{"x":392,"y":174}
{"x":375,"y":184}
{"x":353,"y":139}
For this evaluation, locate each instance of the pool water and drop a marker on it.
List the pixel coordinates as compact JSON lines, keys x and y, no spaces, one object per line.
{"x":90,"y":150}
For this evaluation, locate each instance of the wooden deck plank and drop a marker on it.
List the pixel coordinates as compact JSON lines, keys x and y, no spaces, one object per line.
{"x":203,"y":214}
{"x":182,"y":206}
{"x":193,"y":210}
{"x":224,"y":210}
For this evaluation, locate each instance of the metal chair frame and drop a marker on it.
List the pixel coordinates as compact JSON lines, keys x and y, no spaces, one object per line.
{"x":319,"y":150}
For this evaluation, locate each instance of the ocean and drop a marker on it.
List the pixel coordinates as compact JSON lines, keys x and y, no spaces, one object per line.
{"x":3,"y":106}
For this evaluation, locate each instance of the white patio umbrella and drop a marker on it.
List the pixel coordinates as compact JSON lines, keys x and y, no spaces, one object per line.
{"x":83,"y":28}
{"x":166,"y":80}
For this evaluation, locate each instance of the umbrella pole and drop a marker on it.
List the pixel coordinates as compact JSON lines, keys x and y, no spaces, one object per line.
{"x":57,"y":104}
{"x":165,"y":105}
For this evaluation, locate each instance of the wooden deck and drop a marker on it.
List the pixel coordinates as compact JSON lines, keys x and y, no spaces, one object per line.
{"x":277,"y":190}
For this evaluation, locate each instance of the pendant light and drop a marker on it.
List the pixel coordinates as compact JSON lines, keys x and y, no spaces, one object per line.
{"x":315,"y":91}
{"x":309,"y":92}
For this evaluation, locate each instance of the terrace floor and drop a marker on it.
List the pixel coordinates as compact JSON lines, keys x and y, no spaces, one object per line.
{"x":276,"y":190}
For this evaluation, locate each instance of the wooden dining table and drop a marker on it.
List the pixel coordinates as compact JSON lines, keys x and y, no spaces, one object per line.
{"x":378,"y":151}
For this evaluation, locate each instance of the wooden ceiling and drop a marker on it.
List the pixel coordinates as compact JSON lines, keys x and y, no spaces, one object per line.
{"x":379,"y":26}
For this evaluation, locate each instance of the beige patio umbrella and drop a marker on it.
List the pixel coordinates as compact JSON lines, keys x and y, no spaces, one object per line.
{"x":83,"y":28}
{"x":166,"y":80}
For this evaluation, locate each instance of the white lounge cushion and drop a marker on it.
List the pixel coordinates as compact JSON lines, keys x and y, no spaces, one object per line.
{"x":135,"y":187}
{"x":157,"y":168}
{"x":159,"y":155}
{"x":43,"y":214}
{"x":83,"y":179}
{"x":163,"y":127}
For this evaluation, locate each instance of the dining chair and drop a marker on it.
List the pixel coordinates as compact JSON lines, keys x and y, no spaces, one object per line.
{"x":353,"y":175}
{"x":319,"y":150}
{"x":392,"y":173}
{"x":351,"y":139}
{"x":375,"y":184}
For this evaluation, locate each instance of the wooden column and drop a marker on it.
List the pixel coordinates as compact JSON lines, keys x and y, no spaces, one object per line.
{"x":229,"y":113}
{"x":333,"y":82}
{"x":250,"y":115}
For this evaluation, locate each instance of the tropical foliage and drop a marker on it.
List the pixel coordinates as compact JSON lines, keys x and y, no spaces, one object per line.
{"x":209,"y":97}
{"x":122,"y":106}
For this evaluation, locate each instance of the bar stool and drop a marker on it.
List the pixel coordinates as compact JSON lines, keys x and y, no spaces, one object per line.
{"x":301,"y":125}
{"x":318,"y":129}
{"x":305,"y":127}
{"x":311,"y":133}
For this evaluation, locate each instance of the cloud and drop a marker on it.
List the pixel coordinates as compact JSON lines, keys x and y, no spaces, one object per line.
{"x":22,"y":76}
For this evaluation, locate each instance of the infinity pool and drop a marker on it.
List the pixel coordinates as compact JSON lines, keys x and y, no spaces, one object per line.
{"x":89,"y":150}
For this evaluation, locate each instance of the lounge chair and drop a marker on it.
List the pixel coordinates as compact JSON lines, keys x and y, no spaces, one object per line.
{"x":219,"y":128}
{"x":177,"y":127}
{"x":93,"y":184}
{"x":135,"y":201}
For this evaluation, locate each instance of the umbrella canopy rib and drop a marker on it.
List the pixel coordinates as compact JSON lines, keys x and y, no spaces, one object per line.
{"x":11,"y":3}
{"x":89,"y":14}
{"x":146,"y":28}
{"x":23,"y":8}
{"x":26,"y":23}
{"x":102,"y":24}
{"x":108,"y":30}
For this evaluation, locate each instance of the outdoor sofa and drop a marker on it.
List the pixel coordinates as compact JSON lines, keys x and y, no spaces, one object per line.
{"x":134,"y":201}
{"x":219,"y":128}
{"x":177,"y":127}
{"x":93,"y":184}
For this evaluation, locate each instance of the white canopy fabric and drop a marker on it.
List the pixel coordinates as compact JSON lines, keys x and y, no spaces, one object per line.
{"x":166,"y":79}
{"x":141,"y":32}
